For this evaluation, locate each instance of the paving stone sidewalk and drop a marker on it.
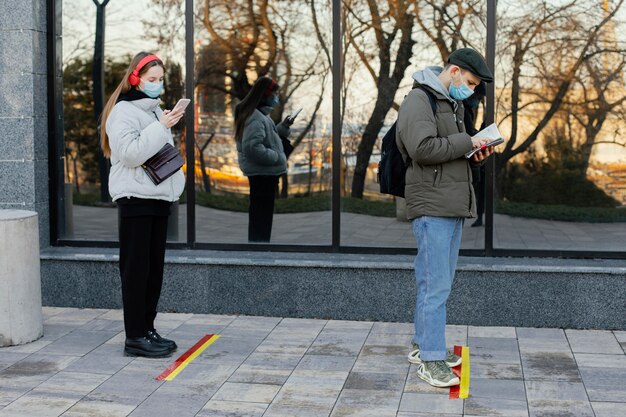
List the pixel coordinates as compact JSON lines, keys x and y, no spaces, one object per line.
{"x":271,"y":367}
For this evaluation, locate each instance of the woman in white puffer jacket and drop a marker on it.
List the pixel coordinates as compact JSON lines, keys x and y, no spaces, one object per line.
{"x":134,"y":129}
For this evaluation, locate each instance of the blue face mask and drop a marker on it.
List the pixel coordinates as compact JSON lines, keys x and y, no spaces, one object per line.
{"x":460,"y":93}
{"x":152,"y":90}
{"x":273,"y":100}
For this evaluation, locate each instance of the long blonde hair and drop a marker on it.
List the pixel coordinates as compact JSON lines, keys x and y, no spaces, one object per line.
{"x":123,"y":88}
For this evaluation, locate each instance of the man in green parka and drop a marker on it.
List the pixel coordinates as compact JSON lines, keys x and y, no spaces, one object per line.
{"x":439,"y":197}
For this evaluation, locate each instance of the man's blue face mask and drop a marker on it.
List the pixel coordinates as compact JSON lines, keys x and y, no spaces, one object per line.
{"x":461,"y":92}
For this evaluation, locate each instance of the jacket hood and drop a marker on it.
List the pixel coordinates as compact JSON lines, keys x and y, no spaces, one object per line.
{"x":147,"y":104}
{"x":429,"y":76}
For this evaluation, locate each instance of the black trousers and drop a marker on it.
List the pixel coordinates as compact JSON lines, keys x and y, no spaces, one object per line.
{"x":142,"y":257}
{"x":479,"y":184}
{"x":261,"y":211}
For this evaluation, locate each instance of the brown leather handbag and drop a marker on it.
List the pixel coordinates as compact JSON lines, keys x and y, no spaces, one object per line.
{"x":163,"y":164}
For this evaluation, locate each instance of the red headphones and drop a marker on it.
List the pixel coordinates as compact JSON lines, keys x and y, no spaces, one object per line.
{"x":133,"y":78}
{"x":269,"y":89}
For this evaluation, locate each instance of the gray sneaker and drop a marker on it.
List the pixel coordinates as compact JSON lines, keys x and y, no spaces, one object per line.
{"x":452,"y":360}
{"x":437,"y":374}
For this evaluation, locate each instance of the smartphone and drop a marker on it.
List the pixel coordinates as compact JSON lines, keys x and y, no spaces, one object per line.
{"x":492,"y":143}
{"x":182,"y":104}
{"x":293,"y":116}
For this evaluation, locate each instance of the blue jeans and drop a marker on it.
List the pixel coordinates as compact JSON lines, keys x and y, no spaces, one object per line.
{"x":438,"y":243}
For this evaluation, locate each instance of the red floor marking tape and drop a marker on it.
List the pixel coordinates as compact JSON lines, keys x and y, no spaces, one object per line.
{"x":457,"y":370}
{"x":186,"y":358}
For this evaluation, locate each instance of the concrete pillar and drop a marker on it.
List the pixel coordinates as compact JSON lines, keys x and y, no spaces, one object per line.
{"x":21,"y":318}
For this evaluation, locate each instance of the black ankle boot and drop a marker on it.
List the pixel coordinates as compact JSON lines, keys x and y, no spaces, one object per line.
{"x":142,"y":346}
{"x":155,"y":337}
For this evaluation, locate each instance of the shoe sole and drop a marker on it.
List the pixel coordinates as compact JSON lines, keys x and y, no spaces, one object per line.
{"x":132,"y":352}
{"x":437,"y":384}
{"x":416,"y":360}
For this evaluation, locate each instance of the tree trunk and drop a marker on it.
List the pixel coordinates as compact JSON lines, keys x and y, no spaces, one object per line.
{"x":383,"y":104}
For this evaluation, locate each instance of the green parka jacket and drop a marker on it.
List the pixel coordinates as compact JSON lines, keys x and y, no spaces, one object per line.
{"x":439,"y":177}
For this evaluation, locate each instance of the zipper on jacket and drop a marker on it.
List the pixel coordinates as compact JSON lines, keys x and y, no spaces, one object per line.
{"x":435,"y":178}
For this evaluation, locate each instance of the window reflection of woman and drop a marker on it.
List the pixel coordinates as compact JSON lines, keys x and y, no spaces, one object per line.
{"x":134,"y":128}
{"x":261,"y":154}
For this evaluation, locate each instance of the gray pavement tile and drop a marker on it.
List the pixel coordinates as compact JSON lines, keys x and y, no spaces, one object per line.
{"x":232,"y":409}
{"x":404,"y":414}
{"x":293,"y":344}
{"x":326,"y":363}
{"x":608,"y":409}
{"x":430,"y":403}
{"x":106,"y":359}
{"x":393,"y":328}
{"x":290,"y":410}
{"x":362,"y":411}
{"x":562,"y":391}
{"x":113,"y":314}
{"x":76,"y":316}
{"x":498,"y":389}
{"x":389,"y":339}
{"x":33,"y":370}
{"x":550,"y":366}
{"x":338,"y":342}
{"x":257,"y":393}
{"x":375,"y":381}
{"x":317,"y":379}
{"x":456,"y":335}
{"x":306,"y":396}
{"x":260,"y":376}
{"x":98,"y":324}
{"x":364,"y":326}
{"x":386,"y":359}
{"x":9,"y":358}
{"x":539,"y":333}
{"x":52,"y":332}
{"x":266,"y":368}
{"x":590,"y":360}
{"x":88,"y":407}
{"x":10,"y":394}
{"x":315,"y":325}
{"x":193,"y":330}
{"x":484,"y":368}
{"x":71,"y":382}
{"x":78,"y":342}
{"x":604,"y":384}
{"x":29,"y":348}
{"x":130,"y":386}
{"x":485,"y":406}
{"x":210,"y":319}
{"x":201,"y":376}
{"x":593,"y":341}
{"x":52,"y":311}
{"x":172,"y":400}
{"x":495,"y":350}
{"x":40,"y":405}
{"x":499,"y":332}
{"x":388,"y":400}
{"x":256,"y":323}
{"x":228,"y":349}
{"x":539,"y":345}
{"x":551,"y":408}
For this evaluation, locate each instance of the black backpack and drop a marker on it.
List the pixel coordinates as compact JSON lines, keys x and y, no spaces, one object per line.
{"x":391,"y":168}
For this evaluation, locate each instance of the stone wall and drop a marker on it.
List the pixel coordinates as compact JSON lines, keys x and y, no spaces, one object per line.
{"x":24,"y":110}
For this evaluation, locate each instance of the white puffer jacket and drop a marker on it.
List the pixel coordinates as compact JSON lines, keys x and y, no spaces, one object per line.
{"x":135,"y":135}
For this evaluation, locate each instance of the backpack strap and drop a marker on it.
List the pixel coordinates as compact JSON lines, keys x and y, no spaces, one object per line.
{"x":431,"y":98}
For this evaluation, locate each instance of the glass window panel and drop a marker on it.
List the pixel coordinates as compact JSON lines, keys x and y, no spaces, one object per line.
{"x":130,"y":27}
{"x":234,"y":46}
{"x":560,"y":179}
{"x":373,"y":93}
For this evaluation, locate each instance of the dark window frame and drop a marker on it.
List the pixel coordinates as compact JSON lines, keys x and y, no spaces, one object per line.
{"x":56,"y":157}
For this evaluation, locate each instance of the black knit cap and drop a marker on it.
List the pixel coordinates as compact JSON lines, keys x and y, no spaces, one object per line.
{"x":469,"y":59}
